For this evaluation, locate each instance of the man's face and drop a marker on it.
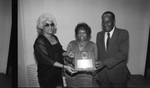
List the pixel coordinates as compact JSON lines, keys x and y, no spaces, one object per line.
{"x":107,"y":22}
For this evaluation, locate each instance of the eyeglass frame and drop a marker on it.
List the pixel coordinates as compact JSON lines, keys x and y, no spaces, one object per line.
{"x":51,"y":24}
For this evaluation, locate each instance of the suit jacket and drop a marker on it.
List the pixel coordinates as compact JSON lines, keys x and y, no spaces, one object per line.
{"x":115,"y":58}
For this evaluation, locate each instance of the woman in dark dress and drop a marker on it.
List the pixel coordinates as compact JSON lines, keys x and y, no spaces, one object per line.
{"x":49,"y":54}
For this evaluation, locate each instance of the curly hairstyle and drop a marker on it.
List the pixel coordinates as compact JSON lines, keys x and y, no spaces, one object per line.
{"x":42,"y":21}
{"x":83,"y":26}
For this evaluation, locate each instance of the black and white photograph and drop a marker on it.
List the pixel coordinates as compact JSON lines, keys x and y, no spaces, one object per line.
{"x":77,"y":43}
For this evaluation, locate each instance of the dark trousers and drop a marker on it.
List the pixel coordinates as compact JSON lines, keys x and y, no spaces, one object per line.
{"x":54,"y":82}
{"x":107,"y":83}
{"x":113,"y":85}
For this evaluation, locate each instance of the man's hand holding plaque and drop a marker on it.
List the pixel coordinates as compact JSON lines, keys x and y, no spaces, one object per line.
{"x":99,"y":65}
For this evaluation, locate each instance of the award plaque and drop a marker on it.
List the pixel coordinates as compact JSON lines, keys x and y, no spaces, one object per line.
{"x":84,"y":61}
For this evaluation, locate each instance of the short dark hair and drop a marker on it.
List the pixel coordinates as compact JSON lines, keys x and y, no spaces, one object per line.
{"x":109,"y":12}
{"x":85,"y":27}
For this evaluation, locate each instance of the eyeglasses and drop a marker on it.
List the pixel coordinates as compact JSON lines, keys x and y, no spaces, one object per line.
{"x":51,"y":24}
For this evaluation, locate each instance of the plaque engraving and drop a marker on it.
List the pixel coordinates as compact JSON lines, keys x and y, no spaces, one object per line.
{"x":84,"y":61}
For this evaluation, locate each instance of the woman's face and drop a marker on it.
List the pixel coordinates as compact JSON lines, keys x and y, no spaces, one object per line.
{"x":49,"y":28}
{"x":82,"y":35}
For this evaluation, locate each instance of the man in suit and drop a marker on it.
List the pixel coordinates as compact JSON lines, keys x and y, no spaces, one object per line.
{"x":113,"y":46}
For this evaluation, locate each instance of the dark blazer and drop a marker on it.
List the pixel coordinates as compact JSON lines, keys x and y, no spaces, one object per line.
{"x":115,"y":58}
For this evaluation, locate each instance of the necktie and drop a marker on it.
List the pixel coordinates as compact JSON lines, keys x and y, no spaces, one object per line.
{"x":108,"y":39}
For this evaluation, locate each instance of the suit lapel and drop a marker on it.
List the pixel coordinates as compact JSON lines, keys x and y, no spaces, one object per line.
{"x":102,"y":42}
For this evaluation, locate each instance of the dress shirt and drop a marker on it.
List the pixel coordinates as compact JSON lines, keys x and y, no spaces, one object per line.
{"x":105,"y":40}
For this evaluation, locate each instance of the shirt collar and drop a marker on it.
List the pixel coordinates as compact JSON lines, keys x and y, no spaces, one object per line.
{"x":111,"y":32}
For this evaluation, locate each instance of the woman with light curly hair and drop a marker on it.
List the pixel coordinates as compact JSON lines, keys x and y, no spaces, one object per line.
{"x":49,"y":53}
